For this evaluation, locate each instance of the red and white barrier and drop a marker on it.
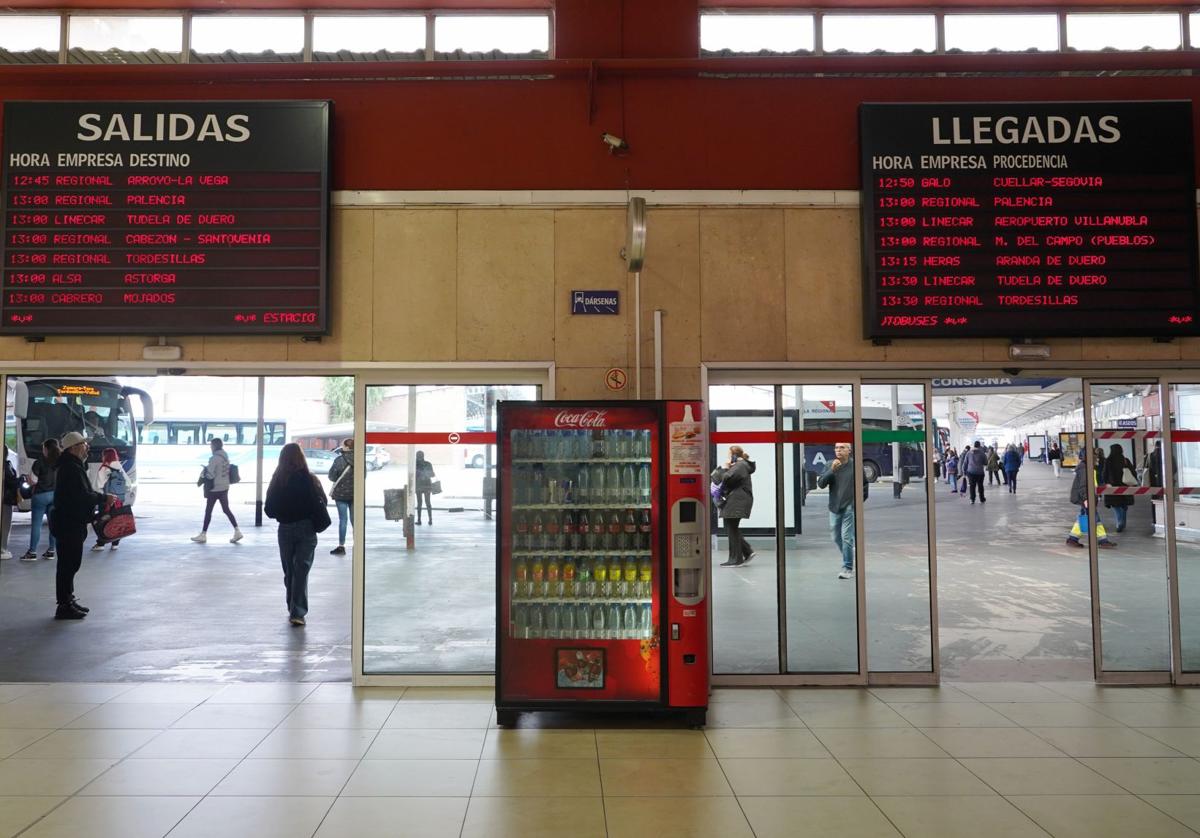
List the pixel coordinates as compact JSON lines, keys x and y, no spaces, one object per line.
{"x":1128,"y":434}
{"x":1152,"y":491}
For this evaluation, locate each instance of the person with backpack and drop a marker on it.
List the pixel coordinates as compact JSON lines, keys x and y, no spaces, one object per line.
{"x":296,"y":500}
{"x":1078,"y":496}
{"x":952,"y":471}
{"x":110,"y":480}
{"x":993,"y":466}
{"x":342,"y":492}
{"x":736,"y":501}
{"x":976,"y":466}
{"x":216,"y":478}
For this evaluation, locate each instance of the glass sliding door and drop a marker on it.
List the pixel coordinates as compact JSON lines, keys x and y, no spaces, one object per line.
{"x":1179,"y":479}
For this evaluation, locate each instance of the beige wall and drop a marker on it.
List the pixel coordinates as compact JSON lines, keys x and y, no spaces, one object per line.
{"x":479,"y":284}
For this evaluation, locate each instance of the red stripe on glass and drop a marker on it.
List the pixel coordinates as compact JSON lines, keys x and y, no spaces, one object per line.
{"x":743,"y":437}
{"x":431,"y":438}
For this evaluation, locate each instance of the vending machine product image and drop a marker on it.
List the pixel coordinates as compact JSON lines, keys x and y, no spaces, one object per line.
{"x":600,"y":567}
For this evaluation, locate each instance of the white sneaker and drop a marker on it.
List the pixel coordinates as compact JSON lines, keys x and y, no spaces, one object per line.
{"x":97,"y":547}
{"x":846,"y":574}
{"x":113,"y":547}
{"x":201,"y":538}
{"x":237,"y":536}
{"x":5,"y":555}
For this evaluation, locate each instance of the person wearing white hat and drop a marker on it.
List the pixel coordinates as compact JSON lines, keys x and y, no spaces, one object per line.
{"x":75,"y":505}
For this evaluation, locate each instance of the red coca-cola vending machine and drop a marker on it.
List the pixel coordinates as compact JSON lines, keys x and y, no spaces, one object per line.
{"x":600,"y":572}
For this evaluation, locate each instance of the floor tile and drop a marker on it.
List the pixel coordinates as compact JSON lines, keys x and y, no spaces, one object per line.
{"x":735,"y":742}
{"x":232,"y":716}
{"x":451,"y":695}
{"x":990,"y":742}
{"x":1040,"y":775}
{"x":1103,"y":742}
{"x":787,"y":777}
{"x":529,"y":817}
{"x":378,"y":817}
{"x":1152,"y":714}
{"x":951,"y":714}
{"x":200,"y":744}
{"x":667,"y":817}
{"x":1090,"y":693}
{"x":286,"y":778}
{"x":850,"y":715}
{"x":168,"y":694}
{"x":343,"y":693}
{"x":42,"y":716}
{"x":368,"y":715}
{"x":1100,"y":817}
{"x":878,"y":742}
{"x":1049,"y":714}
{"x":638,"y":777}
{"x":53,"y":777}
{"x":412,"y":778}
{"x":254,"y":817}
{"x":826,"y":695}
{"x":905,"y":777}
{"x":1188,"y":695}
{"x":1185,"y":740}
{"x":10,"y":691}
{"x":141,"y":716}
{"x":144,"y":777}
{"x":1184,"y":808}
{"x":752,"y":695}
{"x":113,"y":817}
{"x":73,"y":694}
{"x":427,"y":744}
{"x":12,"y":741}
{"x":16,"y":813}
{"x":539,"y":744}
{"x":797,"y":817}
{"x":537,"y":778}
{"x":422,"y":715}
{"x":263,"y":694}
{"x":653,"y":744}
{"x":1149,"y":775}
{"x":913,"y":695}
{"x":302,"y":743}
{"x":94,"y":744}
{"x":943,"y":817}
{"x":745,"y":714}
{"x":1009,"y":691}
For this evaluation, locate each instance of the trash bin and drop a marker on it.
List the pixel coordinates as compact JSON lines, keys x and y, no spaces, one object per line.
{"x":395,"y":504}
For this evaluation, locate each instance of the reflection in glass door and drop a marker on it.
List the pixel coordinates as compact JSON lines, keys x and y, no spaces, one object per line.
{"x":1178,"y":469}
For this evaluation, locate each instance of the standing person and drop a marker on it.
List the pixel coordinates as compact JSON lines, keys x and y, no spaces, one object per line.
{"x":1055,"y":457}
{"x":217,"y":471}
{"x":977,"y":460}
{"x":425,"y":478}
{"x":993,"y":466}
{"x":1078,"y":496}
{"x":1118,"y":471}
{"x":1098,"y":454}
{"x":737,"y":491}
{"x":342,"y":492}
{"x":11,"y":497}
{"x":43,"y":499}
{"x":293,"y":498}
{"x":839,"y":477}
{"x":1012,"y":464}
{"x":952,"y":471}
{"x":110,"y":479}
{"x":75,"y":504}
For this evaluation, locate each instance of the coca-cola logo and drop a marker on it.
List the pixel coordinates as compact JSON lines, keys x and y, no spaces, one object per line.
{"x":580,"y":419}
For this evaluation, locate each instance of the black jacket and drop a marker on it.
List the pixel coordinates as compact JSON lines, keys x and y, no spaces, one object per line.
{"x":345,"y":489}
{"x":737,"y":488}
{"x":294,"y":500}
{"x":1079,"y":485}
{"x":841,"y":485}
{"x":75,"y":502}
{"x":1114,"y":475}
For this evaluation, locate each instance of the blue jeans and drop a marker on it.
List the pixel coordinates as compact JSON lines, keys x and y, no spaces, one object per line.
{"x":841,"y":524}
{"x":345,"y":516}
{"x":1122,"y":513}
{"x":297,"y":542}
{"x":42,"y":502}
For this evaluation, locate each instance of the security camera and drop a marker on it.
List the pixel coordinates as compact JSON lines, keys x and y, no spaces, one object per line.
{"x":614,"y":143}
{"x":1013,"y":371}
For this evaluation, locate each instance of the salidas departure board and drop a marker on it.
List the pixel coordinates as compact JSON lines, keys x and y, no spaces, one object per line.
{"x":1023,"y":220}
{"x":164,"y":218}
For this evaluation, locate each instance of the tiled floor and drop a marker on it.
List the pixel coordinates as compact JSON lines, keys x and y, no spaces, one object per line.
{"x":293,"y":760}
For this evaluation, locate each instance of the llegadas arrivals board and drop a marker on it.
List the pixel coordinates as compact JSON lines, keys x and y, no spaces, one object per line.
{"x":160,"y":218}
{"x":1029,"y":220}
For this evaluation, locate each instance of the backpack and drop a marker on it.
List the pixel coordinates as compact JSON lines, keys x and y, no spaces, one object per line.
{"x":235,"y":476}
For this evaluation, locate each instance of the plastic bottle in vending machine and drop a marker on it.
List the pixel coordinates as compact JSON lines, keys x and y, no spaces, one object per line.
{"x":520,"y":622}
{"x":616,"y":581}
{"x":598,"y":529}
{"x":553,"y":586}
{"x":537,"y":621}
{"x":629,"y":487}
{"x":600,"y":573}
{"x":584,"y":586}
{"x":630,"y":576}
{"x":537,"y":530}
{"x":583,"y":484}
{"x":613,"y":541}
{"x":629,"y":531}
{"x":644,"y":530}
{"x":521,"y":536}
{"x":597,"y":620}
{"x":568,"y":577}
{"x":646,"y":621}
{"x":613,"y":491}
{"x":567,"y":620}
{"x":570,"y":542}
{"x":644,"y":483}
{"x":630,"y":621}
{"x":597,"y":479}
{"x":537,"y":577}
{"x":520,"y":579}
{"x":612,"y":620}
{"x":646,"y":578}
{"x":553,"y":541}
{"x":553,"y":621}
{"x":583,"y":620}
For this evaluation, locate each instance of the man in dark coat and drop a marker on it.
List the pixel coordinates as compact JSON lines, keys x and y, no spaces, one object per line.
{"x":839,"y":477}
{"x":75,"y":505}
{"x":737,"y":492}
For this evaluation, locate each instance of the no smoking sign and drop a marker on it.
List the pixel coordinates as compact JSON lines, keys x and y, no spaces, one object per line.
{"x":615,"y":379}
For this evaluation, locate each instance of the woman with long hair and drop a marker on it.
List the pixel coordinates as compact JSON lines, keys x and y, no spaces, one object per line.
{"x":43,"y":499}
{"x":109,"y":479}
{"x":425,"y":478}
{"x":215,"y":479}
{"x":1117,"y":470}
{"x":293,"y":497}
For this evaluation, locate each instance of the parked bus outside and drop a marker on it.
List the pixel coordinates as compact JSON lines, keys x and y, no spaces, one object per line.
{"x":175,"y":448}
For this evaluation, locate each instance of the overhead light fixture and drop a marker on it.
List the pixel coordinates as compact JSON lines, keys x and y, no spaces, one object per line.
{"x":1029,"y":351}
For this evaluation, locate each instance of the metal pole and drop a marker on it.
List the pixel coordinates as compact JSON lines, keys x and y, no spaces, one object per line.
{"x":489,"y":404}
{"x":897,"y":473}
{"x":258,"y":452}
{"x":409,"y":541}
{"x":637,"y":334}
{"x":658,"y":353}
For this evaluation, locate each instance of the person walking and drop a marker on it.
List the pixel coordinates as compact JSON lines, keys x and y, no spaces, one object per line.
{"x":952,"y":471}
{"x":1078,"y":496}
{"x":839,"y":478}
{"x":11,"y":491}
{"x":1118,"y":471}
{"x":737,"y":501}
{"x":993,"y":466}
{"x":294,"y":499}
{"x":42,"y":500}
{"x":425,"y":478}
{"x":75,"y":505}
{"x":977,"y":460}
{"x":215,"y":479}
{"x":1055,"y":457}
{"x":342,"y":492}
{"x":109,"y":479}
{"x":1012,"y":464}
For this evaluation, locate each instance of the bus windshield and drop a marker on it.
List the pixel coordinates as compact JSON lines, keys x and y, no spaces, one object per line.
{"x":96,"y":409}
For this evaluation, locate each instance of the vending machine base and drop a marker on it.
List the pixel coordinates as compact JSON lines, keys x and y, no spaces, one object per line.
{"x":694,"y":717}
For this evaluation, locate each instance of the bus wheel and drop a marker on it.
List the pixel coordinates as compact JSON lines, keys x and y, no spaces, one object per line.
{"x":870,"y":471}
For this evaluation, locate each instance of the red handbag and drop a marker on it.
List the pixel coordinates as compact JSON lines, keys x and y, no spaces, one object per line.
{"x":116,"y":522}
